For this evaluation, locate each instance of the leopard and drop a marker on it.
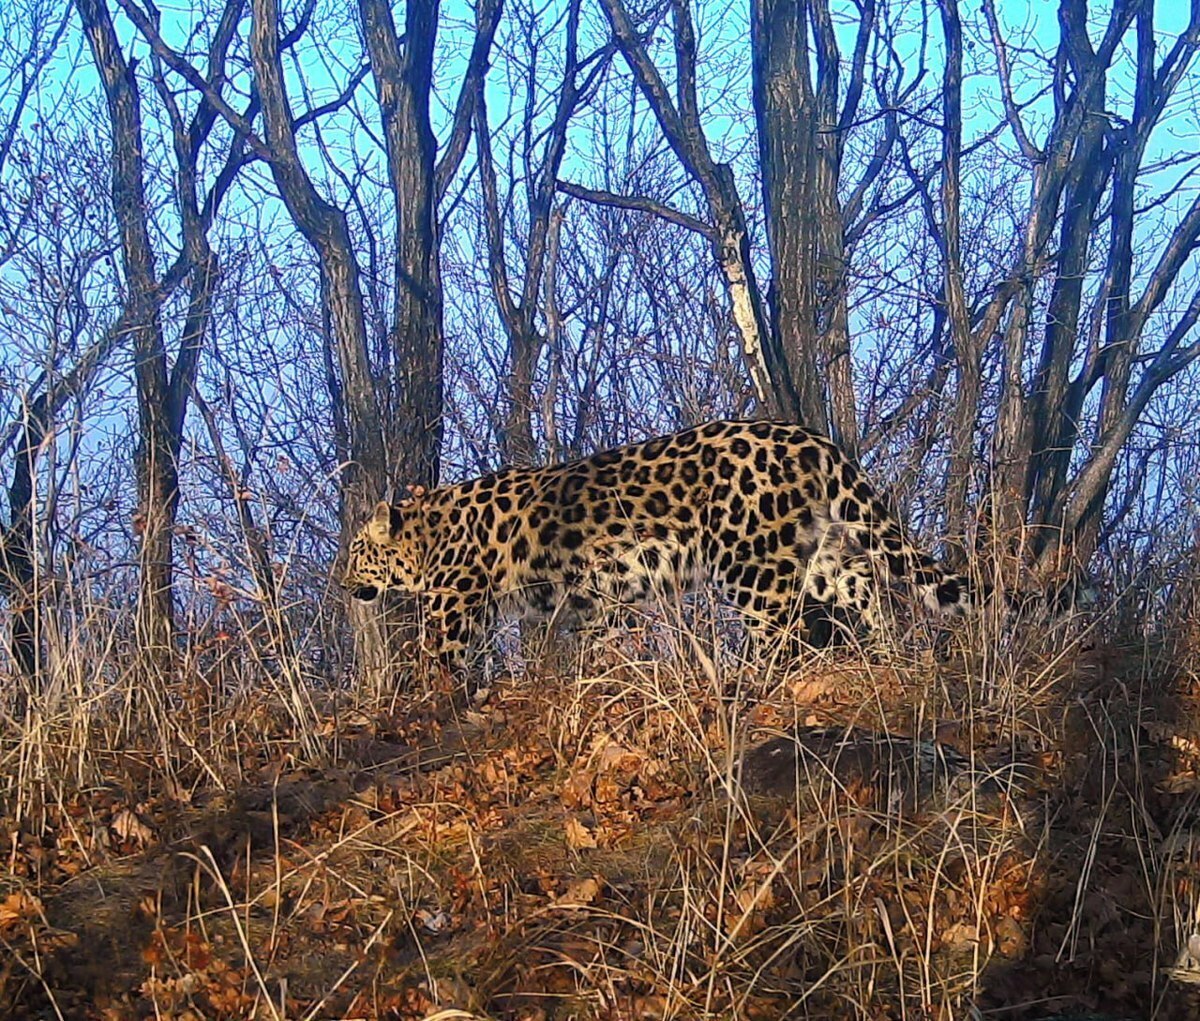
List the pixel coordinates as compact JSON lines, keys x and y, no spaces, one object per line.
{"x":778,"y":518}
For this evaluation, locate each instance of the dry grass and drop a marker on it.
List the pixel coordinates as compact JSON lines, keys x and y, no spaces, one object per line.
{"x":634,"y":834}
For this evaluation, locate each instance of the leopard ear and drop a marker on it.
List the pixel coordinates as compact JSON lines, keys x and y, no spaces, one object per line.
{"x":379,"y":528}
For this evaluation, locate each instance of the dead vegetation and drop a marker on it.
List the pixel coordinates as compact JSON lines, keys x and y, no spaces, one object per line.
{"x":1005,"y":836}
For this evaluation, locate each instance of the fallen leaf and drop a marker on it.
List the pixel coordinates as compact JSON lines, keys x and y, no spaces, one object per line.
{"x":960,"y":935}
{"x":1010,"y":938}
{"x":433,"y":921}
{"x":579,"y":837}
{"x":17,"y":909}
{"x":579,"y":893}
{"x":126,"y":825}
{"x":810,"y":689}
{"x":749,"y":904}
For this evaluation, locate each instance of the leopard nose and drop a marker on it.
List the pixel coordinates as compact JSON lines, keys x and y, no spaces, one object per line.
{"x":365,"y":593}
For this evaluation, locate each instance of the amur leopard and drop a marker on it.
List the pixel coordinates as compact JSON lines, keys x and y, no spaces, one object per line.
{"x":777,"y":517}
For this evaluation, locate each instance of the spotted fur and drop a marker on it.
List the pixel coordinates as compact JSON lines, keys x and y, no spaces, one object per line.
{"x":776,"y":516}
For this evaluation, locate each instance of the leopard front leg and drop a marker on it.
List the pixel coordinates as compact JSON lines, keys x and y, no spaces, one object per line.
{"x":773,"y":631}
{"x":843,"y":605}
{"x":457,"y":629}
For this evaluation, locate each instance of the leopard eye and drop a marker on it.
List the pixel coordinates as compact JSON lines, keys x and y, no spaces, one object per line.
{"x":365,"y":593}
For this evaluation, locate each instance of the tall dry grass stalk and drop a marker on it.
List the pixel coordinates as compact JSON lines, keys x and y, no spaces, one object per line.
{"x":583,"y":836}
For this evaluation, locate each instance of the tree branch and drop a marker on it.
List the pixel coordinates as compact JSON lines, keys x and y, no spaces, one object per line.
{"x":194,"y":78}
{"x":638,"y":204}
{"x":487,"y":17}
{"x":1012,"y":112}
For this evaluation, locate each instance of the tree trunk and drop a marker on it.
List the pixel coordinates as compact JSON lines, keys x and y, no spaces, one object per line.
{"x":403,"y":80}
{"x":517,"y":445}
{"x":787,"y":142}
{"x":967,"y":349}
{"x":18,"y":567}
{"x":766,"y":362}
{"x":765,"y":358}
{"x":325,"y":228}
{"x":554,"y":337}
{"x":1054,"y":421}
{"x":1012,"y":441}
{"x":515,"y":433}
{"x":158,"y":492}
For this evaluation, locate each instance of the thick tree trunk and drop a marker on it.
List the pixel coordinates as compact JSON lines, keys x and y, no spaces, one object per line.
{"x":1011,"y":445}
{"x":403,"y":80}
{"x":801,"y":137}
{"x":1054,"y":421}
{"x":967,"y":349}
{"x":517,"y":445}
{"x":158,"y":492}
{"x":787,"y":141}
{"x":158,"y":486}
{"x":18,"y":565}
{"x":326,"y":229}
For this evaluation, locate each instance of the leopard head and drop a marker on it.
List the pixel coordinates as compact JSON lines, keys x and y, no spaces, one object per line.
{"x":388,"y":552}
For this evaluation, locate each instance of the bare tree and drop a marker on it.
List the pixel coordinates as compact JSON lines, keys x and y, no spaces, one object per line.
{"x":327,"y":230}
{"x":41,"y":27}
{"x":388,"y":419}
{"x":41,"y":24}
{"x":679,"y":119}
{"x":1086,"y":158}
{"x":967,"y":345}
{"x":981,"y":247}
{"x":1078,"y":504}
{"x":162,"y":388}
{"x":541,"y":155}
{"x":802,"y":138}
{"x":403,"y":81}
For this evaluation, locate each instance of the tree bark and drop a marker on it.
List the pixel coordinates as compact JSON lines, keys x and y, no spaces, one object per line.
{"x":325,"y":228}
{"x":157,"y":471}
{"x":788,"y":128}
{"x":18,"y":564}
{"x":967,"y":349}
{"x":832,"y":128}
{"x":403,"y":81}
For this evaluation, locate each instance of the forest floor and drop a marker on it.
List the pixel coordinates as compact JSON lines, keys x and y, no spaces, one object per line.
{"x":645,"y":838}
